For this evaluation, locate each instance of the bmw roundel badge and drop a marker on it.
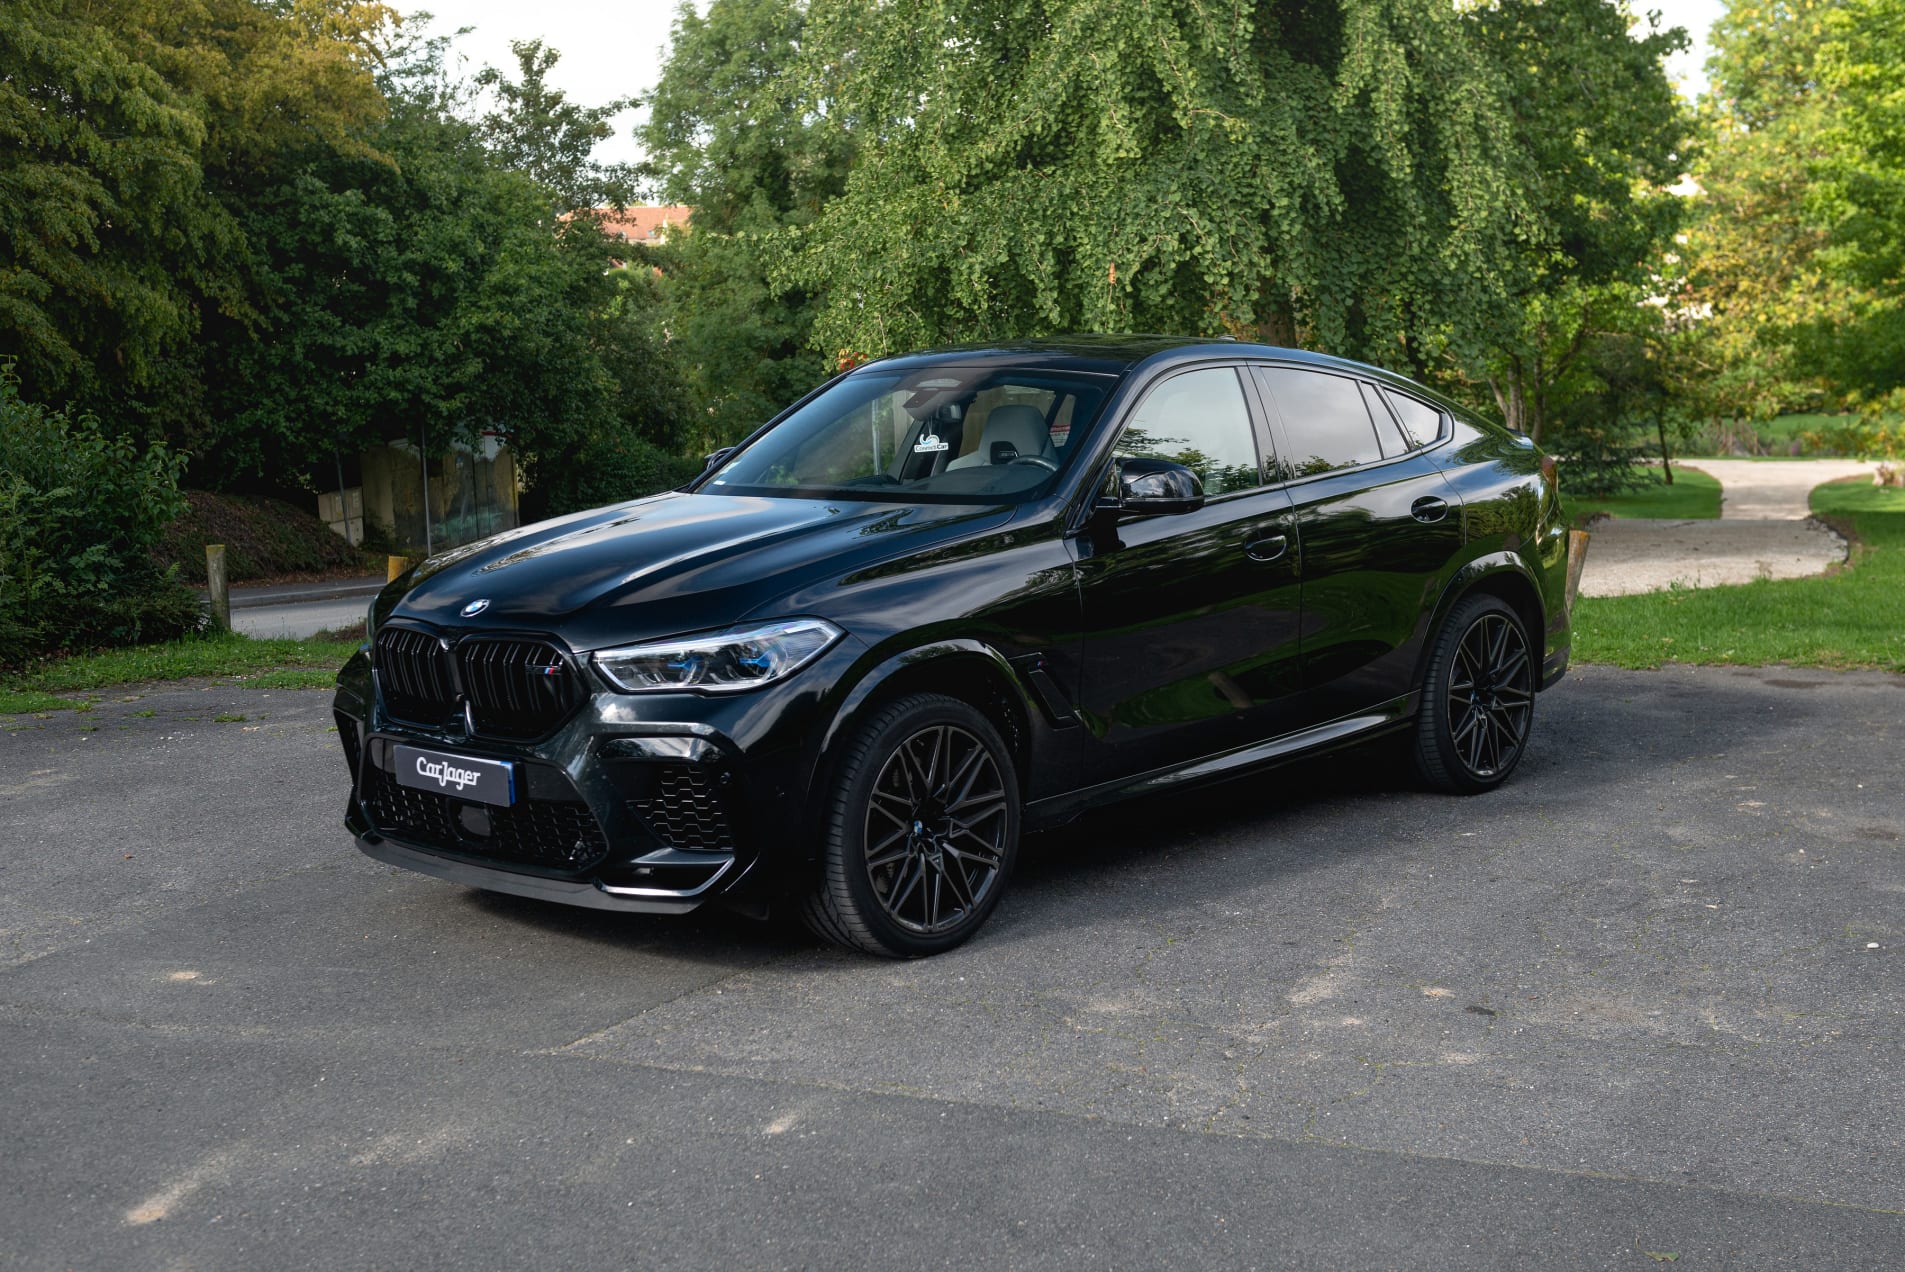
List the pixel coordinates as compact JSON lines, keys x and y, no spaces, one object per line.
{"x":476,"y":607}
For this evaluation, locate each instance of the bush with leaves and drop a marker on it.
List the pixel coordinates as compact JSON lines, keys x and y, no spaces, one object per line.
{"x":83,"y":512}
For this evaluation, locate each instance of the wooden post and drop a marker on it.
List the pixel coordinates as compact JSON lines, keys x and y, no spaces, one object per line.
{"x":394,"y":566}
{"x":219,"y":584}
{"x":1577,"y":558}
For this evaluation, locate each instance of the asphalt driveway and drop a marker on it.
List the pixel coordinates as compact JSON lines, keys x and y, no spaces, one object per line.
{"x":1646,"y":1001}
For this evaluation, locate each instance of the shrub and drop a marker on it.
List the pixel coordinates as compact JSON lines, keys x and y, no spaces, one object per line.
{"x":80,"y":515}
{"x":611,"y":468}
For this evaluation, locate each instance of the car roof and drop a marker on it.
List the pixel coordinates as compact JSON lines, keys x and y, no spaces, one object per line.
{"x":1117,"y":354}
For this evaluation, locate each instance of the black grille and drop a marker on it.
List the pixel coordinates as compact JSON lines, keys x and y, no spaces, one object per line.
{"x":554,"y":834}
{"x":517,"y":688}
{"x":686,"y":809}
{"x":413,"y":669}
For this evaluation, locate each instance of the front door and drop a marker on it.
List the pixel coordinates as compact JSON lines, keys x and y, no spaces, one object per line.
{"x":1191,"y":620}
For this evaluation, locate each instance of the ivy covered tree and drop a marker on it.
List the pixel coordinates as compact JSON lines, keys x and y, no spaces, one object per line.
{"x":730,"y":135}
{"x":1340,"y":173}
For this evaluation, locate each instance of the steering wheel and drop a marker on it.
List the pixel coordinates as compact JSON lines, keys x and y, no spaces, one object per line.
{"x":1040,"y":460}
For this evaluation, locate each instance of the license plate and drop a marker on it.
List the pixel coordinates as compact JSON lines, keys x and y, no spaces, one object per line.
{"x":483,"y":781}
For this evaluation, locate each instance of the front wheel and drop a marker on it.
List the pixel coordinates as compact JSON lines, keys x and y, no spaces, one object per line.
{"x":920,"y":833}
{"x":1478,"y":698}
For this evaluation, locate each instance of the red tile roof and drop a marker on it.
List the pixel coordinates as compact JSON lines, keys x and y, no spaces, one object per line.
{"x":643,"y":224}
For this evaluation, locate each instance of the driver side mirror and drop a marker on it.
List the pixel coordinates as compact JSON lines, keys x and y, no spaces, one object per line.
{"x":714,"y":457}
{"x":1156,"y":487}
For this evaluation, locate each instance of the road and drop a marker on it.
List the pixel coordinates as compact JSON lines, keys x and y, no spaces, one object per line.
{"x":1644,"y":1001}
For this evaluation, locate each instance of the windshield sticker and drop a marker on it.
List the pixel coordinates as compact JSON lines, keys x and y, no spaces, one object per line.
{"x":929,"y":445}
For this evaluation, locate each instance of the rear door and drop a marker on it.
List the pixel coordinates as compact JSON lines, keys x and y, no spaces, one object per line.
{"x":1380,"y":529}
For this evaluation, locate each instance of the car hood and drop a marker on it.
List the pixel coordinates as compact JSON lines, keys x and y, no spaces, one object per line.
{"x":669,"y":564}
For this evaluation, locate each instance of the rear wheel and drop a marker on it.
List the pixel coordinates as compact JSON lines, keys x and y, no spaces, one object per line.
{"x":1478,"y":698}
{"x":920,"y":833}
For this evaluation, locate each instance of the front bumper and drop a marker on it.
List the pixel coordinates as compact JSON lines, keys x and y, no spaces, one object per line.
{"x":644,"y":803}
{"x":590,"y":893}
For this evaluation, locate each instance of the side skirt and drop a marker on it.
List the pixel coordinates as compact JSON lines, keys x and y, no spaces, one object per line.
{"x":1394,"y":714}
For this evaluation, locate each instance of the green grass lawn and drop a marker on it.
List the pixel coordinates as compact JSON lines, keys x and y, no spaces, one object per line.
{"x":1692,"y":494}
{"x":1853,"y":617}
{"x":268,"y":664}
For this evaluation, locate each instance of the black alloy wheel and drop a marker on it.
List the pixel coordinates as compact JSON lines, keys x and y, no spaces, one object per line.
{"x":921,"y":831}
{"x":1478,"y":698}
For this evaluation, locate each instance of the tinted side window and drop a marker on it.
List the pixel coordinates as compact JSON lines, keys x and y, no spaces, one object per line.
{"x":1388,"y":433}
{"x":1325,"y":423}
{"x":1422,"y":422}
{"x":1199,"y":420}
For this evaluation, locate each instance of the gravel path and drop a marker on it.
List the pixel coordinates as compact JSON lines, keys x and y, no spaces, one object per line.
{"x":1765,"y":531}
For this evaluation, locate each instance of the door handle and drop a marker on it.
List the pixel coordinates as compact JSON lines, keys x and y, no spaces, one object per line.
{"x":1429,"y":508}
{"x":1267,"y":549}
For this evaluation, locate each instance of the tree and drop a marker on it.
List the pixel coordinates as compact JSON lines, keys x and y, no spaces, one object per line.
{"x":1755,"y":282}
{"x":730,"y":135}
{"x":1861,"y":194}
{"x":1339,"y":172}
{"x":100,"y":199}
{"x":1600,"y":137}
{"x":418,"y":290}
{"x":536,"y":130}
{"x":136,"y":133}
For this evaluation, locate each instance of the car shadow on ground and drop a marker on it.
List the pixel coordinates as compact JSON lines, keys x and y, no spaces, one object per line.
{"x":1292,"y":818}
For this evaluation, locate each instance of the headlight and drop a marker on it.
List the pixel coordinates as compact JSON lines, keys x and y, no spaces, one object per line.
{"x":722,"y":663}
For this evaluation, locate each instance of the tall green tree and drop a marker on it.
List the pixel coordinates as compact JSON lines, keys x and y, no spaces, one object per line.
{"x":419,"y":288}
{"x":730,"y":134}
{"x":1600,"y":138}
{"x":1861,"y":194}
{"x":135,"y":134}
{"x":1755,"y":282}
{"x":535,"y":129}
{"x":1336,"y":172}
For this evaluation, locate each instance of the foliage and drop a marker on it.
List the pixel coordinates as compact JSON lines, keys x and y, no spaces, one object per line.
{"x":536,"y":130}
{"x":1339,"y":173}
{"x":132,"y":134}
{"x":1860,"y":437}
{"x":83,"y":512}
{"x":730,"y":135}
{"x":1852,"y":617}
{"x":1754,"y":282}
{"x":422,"y":291}
{"x":1861,"y":192}
{"x":1599,"y":138}
{"x":612,"y":470}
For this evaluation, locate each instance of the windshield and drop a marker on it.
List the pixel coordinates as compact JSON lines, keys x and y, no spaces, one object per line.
{"x":949,"y":434}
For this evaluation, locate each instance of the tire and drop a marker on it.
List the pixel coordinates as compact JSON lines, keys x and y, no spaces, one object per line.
{"x":919,"y":832}
{"x":1478,"y":698}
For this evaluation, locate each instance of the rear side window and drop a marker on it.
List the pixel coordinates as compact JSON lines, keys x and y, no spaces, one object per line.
{"x":1422,"y":422}
{"x":1198,"y":419}
{"x":1325,"y":423}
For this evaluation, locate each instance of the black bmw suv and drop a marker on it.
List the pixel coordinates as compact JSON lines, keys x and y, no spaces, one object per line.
{"x":947,"y":598}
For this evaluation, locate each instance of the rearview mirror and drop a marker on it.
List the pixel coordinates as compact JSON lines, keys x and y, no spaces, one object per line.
{"x":1157,"y":487}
